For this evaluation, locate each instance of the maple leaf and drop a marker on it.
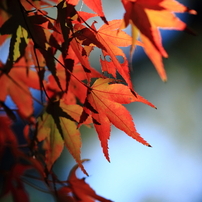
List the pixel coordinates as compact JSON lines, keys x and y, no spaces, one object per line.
{"x":108,"y":35}
{"x":78,"y":190}
{"x":145,"y":18}
{"x":71,"y":80}
{"x":18,"y":43}
{"x":22,"y":26}
{"x":66,"y":14}
{"x":56,"y":127}
{"x":108,"y":39}
{"x":16,"y":85}
{"x":103,"y":103}
{"x":14,"y":26}
{"x":96,"y":6}
{"x":81,"y":55}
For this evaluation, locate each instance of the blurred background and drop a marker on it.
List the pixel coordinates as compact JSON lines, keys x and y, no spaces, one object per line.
{"x":170,"y":171}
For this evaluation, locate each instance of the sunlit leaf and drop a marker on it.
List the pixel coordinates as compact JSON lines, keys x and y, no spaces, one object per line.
{"x":147,"y":17}
{"x":57,"y":128}
{"x":103,"y":103}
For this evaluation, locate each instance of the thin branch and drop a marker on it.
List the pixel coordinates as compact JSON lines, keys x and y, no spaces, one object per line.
{"x":64,"y":183}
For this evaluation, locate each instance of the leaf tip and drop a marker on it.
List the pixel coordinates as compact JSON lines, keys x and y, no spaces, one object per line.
{"x":193,"y":12}
{"x":104,"y":20}
{"x":107,"y":157}
{"x":82,"y":167}
{"x":106,"y":154}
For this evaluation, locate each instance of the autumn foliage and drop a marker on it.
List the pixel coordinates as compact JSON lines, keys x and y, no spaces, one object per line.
{"x":51,"y":54}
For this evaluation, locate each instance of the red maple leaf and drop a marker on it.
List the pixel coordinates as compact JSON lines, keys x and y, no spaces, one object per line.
{"x":16,"y":84}
{"x":78,"y":190}
{"x":108,"y":40}
{"x":145,"y":18}
{"x":103,"y":103}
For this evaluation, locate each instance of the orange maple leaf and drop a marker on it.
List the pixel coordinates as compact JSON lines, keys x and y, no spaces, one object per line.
{"x":145,"y":18}
{"x":108,"y":40}
{"x":103,"y":103}
{"x":95,"y":5}
{"x":71,"y":79}
{"x":57,"y":127}
{"x":112,"y":40}
{"x":16,"y":84}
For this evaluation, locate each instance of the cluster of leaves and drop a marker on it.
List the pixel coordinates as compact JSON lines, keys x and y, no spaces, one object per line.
{"x":76,"y":93}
